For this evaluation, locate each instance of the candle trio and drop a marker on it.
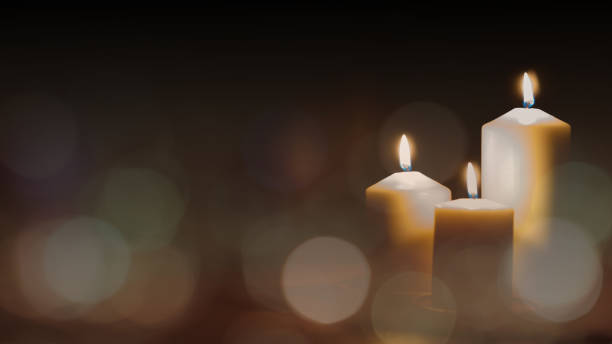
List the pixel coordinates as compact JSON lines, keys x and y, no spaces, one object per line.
{"x":463,"y":242}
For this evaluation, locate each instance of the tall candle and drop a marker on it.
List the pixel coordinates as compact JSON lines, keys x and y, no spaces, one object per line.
{"x":403,"y":203}
{"x":519,"y":153}
{"x":472,"y":238}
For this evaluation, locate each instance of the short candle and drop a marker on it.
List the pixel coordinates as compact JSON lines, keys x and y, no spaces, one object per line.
{"x":472,"y":238}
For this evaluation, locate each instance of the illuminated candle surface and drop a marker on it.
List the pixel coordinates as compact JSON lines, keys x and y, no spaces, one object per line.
{"x":520,"y":150}
{"x":472,"y":238}
{"x":403,"y":203}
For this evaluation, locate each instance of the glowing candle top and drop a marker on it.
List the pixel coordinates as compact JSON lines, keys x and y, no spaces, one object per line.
{"x":473,"y":203}
{"x":527,"y":115}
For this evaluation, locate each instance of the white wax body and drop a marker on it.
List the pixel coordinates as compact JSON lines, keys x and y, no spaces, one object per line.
{"x":519,"y":153}
{"x":404,"y":205}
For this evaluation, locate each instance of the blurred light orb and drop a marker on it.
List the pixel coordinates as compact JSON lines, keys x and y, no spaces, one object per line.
{"x":27,"y":254}
{"x":158,"y":288}
{"x":425,"y":124}
{"x":143,"y":204}
{"x":40,"y":299}
{"x":401,"y":316}
{"x":583,"y":195}
{"x":563,"y":277}
{"x":38,"y":135}
{"x":85,"y":260}
{"x":284,"y":152}
{"x":326,"y":279}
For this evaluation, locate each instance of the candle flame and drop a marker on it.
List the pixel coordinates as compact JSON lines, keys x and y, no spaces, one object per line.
{"x":404,"y":154}
{"x":528,"y":99}
{"x":472,"y":185}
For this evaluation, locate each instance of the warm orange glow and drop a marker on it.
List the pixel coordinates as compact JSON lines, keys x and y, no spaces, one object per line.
{"x":528,"y":99}
{"x":404,"y":154}
{"x":472,"y":185}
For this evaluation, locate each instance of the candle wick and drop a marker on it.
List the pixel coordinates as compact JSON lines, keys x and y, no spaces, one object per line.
{"x":406,"y":169}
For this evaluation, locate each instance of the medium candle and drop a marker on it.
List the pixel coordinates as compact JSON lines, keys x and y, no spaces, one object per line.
{"x":403,"y":203}
{"x":471,"y":239}
{"x":519,"y":153}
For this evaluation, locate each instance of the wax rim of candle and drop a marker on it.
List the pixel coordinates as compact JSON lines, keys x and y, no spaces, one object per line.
{"x":472,"y":204}
{"x":532,"y":116}
{"x":408,"y":180}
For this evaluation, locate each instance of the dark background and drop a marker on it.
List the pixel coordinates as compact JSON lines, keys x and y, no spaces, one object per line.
{"x":261,"y":112}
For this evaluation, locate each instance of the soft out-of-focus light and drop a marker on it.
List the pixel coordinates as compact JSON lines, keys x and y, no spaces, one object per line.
{"x":158,"y":288}
{"x":528,"y":100}
{"x":267,"y":243}
{"x":326,"y":279}
{"x":427,"y":122}
{"x":27,"y":257}
{"x":562,"y":278}
{"x":404,"y":154}
{"x":401,"y":316}
{"x":472,"y":184}
{"x":576,"y":182}
{"x":40,"y":298}
{"x":39,"y":136}
{"x":143,"y":204}
{"x":85,"y":260}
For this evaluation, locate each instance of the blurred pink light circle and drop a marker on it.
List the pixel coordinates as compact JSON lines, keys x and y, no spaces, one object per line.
{"x":326,"y":279}
{"x":85,"y":260}
{"x":562,"y":278}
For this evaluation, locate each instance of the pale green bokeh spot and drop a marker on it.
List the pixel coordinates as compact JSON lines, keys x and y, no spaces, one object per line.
{"x":143,"y":204}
